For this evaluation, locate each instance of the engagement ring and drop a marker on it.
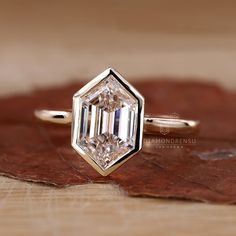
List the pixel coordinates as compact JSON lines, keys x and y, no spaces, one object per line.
{"x":108,"y":121}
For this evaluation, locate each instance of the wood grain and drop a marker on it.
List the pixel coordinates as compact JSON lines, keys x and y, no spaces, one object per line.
{"x":48,"y":42}
{"x":97,"y":209}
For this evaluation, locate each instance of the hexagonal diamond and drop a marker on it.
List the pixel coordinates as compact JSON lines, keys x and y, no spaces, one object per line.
{"x":107,"y":125}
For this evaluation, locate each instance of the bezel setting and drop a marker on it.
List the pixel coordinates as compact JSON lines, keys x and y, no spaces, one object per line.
{"x":76,"y":114}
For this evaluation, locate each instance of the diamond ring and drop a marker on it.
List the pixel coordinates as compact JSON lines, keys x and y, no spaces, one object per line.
{"x":108,"y":121}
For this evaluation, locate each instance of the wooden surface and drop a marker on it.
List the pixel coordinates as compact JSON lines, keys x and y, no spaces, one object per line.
{"x":50,"y":42}
{"x":96,"y":209}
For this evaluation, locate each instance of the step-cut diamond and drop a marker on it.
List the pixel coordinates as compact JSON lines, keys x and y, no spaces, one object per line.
{"x":107,"y":122}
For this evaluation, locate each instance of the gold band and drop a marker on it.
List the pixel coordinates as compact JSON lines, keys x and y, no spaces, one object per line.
{"x":152,"y":124}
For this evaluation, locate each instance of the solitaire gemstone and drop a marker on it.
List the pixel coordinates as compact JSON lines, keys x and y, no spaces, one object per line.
{"x":108,"y":119}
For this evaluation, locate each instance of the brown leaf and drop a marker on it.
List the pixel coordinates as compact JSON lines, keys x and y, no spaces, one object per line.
{"x":201,"y":168}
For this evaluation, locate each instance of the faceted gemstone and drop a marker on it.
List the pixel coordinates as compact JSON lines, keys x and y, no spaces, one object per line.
{"x":107,"y":122}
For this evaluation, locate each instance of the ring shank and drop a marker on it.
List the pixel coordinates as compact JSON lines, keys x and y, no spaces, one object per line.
{"x":152,"y":124}
{"x":175,"y":126}
{"x":54,"y":116}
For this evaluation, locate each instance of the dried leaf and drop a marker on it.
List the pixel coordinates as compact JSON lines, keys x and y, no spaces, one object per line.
{"x":201,"y":168}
